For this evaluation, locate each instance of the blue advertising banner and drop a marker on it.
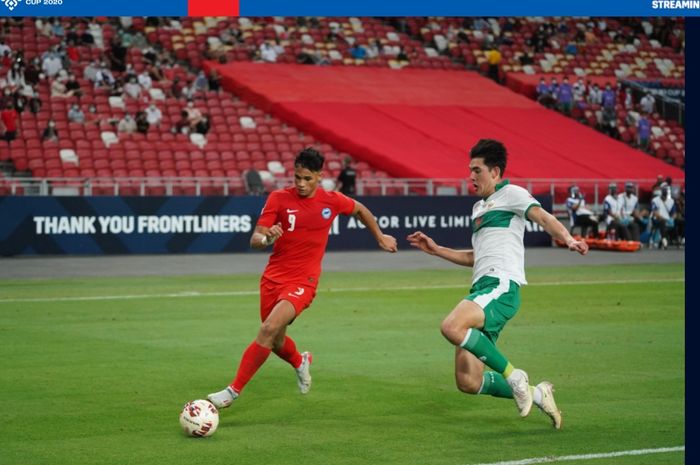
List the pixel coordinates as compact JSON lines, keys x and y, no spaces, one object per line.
{"x":152,"y":225}
{"x":355,"y":8}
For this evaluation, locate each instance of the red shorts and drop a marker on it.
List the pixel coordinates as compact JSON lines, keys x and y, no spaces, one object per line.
{"x":298,"y":295}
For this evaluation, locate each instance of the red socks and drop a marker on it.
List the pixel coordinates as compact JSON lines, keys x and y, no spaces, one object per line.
{"x":289,"y":353}
{"x":253,"y":358}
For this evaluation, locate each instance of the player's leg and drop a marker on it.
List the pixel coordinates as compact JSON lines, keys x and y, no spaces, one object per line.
{"x":471,"y":377}
{"x":256,"y":353}
{"x":300,"y":297}
{"x":463,"y":328}
{"x":285,"y":348}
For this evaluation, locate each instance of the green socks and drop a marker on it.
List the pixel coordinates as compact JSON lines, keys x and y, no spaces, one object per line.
{"x":495,"y":385}
{"x":479,"y":345}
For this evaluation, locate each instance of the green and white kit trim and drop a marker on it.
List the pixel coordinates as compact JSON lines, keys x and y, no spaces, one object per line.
{"x":498,"y":223}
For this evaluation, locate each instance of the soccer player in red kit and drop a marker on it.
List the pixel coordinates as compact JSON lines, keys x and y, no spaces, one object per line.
{"x":297,"y":221}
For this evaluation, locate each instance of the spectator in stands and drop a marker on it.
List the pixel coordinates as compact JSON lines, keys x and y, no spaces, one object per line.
{"x":132,"y":88}
{"x":15,"y":76}
{"x":630,"y":217}
{"x":214,"y":81}
{"x":117,"y":55}
{"x":20,"y":98}
{"x":374,"y":49}
{"x":4,"y":47}
{"x":347,"y":178}
{"x":231,"y":36}
{"x":142,"y":123}
{"x":571,"y":48}
{"x":153,"y":115}
{"x":579,"y":89}
{"x":542,"y":90}
{"x":526,"y":58}
{"x":357,"y":51}
{"x":32,"y":72}
{"x":656,"y":188}
{"x":182,"y":126}
{"x":201,"y":83}
{"x":648,"y":104}
{"x":203,"y":125}
{"x":127,"y":124}
{"x":193,"y":114}
{"x":267,"y":52}
{"x":565,"y":97}
{"x":105,"y":78}
{"x":59,"y":89}
{"x":595,"y":95}
{"x":494,"y":58}
{"x":50,"y":132}
{"x":613,"y":219}
{"x":643,"y":132}
{"x":402,"y":56}
{"x":57,"y":28}
{"x":92,"y":117}
{"x":35,"y":102}
{"x":144,"y":79}
{"x":72,"y":85}
{"x":176,"y":88}
{"x":663,"y":212}
{"x":75,"y":114}
{"x":579,"y":215}
{"x":609,"y":98}
{"x":9,"y":118}
{"x":51,"y":64}
{"x":189,"y":91}
{"x":90,"y":71}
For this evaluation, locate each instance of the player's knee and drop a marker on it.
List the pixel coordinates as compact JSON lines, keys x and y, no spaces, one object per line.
{"x":268,"y":332}
{"x":450,"y":330}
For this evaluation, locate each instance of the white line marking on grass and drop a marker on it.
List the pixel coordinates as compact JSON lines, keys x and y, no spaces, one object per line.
{"x":190,"y":294}
{"x":568,"y":458}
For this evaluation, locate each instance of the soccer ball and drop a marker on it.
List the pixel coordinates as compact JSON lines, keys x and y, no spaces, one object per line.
{"x":199,"y":418}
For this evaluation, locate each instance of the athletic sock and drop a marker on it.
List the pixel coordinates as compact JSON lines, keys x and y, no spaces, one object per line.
{"x":495,"y":385}
{"x":289,"y":353}
{"x":536,"y":395}
{"x":479,"y":345}
{"x":253,"y":358}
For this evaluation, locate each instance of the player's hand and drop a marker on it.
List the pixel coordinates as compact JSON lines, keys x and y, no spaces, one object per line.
{"x":423,"y":242}
{"x":578,"y":246}
{"x":274,"y":233}
{"x":388,"y":243}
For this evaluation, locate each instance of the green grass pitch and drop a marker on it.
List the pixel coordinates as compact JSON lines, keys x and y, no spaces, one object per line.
{"x":95,"y":371}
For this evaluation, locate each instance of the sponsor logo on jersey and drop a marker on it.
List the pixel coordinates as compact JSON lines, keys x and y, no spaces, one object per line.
{"x":289,"y":210}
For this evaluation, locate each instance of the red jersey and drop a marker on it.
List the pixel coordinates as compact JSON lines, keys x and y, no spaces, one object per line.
{"x":297,"y":254}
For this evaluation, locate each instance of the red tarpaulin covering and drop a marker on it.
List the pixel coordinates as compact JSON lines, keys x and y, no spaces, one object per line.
{"x":421,"y":123}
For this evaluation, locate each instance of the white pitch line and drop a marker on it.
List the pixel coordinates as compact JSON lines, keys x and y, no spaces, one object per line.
{"x":189,"y":294}
{"x":568,"y":458}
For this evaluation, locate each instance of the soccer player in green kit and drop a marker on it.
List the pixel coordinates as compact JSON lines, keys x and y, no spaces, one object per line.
{"x":498,"y":259}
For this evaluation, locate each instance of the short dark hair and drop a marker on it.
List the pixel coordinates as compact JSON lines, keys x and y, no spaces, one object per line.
{"x":492,"y":151}
{"x":310,"y":159}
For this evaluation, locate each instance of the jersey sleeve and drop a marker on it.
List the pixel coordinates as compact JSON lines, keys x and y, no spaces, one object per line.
{"x":268,"y":216}
{"x":345,"y":204}
{"x":521,"y":201}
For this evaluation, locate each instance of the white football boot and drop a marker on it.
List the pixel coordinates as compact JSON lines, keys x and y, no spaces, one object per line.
{"x":549,"y":407}
{"x":303,"y":375}
{"x":224,"y":398}
{"x":522,"y":394}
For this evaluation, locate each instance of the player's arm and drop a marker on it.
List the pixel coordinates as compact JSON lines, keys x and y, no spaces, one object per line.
{"x":264,"y":236}
{"x":385,"y":241}
{"x":555,"y":229}
{"x":423,"y":242}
